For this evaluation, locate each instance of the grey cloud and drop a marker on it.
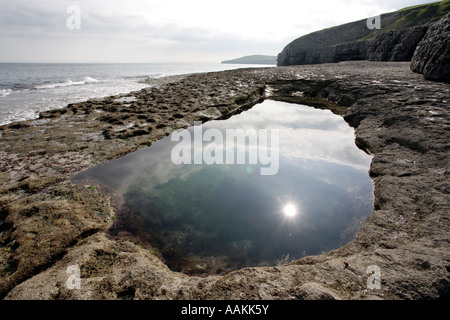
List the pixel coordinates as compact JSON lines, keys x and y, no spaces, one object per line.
{"x":20,"y":17}
{"x":106,"y":23}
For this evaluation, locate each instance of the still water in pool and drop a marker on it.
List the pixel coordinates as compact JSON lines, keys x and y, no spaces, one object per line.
{"x":205,"y":218}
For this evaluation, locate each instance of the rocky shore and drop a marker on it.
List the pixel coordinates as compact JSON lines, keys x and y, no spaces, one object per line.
{"x":48,"y":224}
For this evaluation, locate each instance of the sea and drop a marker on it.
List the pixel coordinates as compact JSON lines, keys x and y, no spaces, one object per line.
{"x":26,"y":89}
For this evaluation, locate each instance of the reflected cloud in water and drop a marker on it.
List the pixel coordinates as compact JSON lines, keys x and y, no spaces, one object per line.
{"x":316,"y":202}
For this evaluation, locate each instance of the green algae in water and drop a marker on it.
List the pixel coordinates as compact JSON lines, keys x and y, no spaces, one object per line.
{"x":216,"y":218}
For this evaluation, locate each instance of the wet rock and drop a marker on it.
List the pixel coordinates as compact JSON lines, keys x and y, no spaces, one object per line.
{"x":432,"y":57}
{"x":314,"y":291}
{"x":38,"y":231}
{"x":399,"y":117}
{"x":18,"y":125}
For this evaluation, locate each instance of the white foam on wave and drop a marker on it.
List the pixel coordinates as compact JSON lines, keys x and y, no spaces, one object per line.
{"x":5,"y":92}
{"x":67,"y":83}
{"x":10,"y":117}
{"x":26,"y":104}
{"x":90,"y":80}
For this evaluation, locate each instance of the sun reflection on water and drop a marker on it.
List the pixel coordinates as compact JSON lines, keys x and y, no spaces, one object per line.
{"x":290,"y":210}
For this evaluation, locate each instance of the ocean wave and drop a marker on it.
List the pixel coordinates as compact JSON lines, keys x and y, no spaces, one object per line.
{"x":67,"y":83}
{"x":159,"y":75}
{"x":90,"y":80}
{"x":5,"y":92}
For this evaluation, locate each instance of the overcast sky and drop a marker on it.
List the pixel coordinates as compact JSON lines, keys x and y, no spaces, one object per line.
{"x":168,"y":30}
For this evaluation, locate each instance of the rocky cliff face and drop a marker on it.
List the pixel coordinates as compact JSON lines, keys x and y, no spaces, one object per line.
{"x":394,"y":45}
{"x":397,"y":39}
{"x":432,"y":57}
{"x":317,"y":47}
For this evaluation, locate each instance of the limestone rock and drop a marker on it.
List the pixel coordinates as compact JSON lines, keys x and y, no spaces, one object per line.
{"x":396,"y":40}
{"x":432,"y":57}
{"x":314,"y":291}
{"x":395,"y":45}
{"x":399,"y":118}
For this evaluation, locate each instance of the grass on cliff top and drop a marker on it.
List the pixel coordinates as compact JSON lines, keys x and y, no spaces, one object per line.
{"x":403,"y":18}
{"x":441,"y":4}
{"x":422,"y":14}
{"x":414,"y":16}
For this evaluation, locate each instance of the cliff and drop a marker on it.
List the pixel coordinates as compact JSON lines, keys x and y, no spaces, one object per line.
{"x":432,"y":57}
{"x":399,"y":34}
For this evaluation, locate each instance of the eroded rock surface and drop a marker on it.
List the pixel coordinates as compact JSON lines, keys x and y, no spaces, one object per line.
{"x":47,"y":224}
{"x":432,"y":57}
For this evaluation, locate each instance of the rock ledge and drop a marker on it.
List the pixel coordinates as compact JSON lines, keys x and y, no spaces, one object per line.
{"x":48,"y":224}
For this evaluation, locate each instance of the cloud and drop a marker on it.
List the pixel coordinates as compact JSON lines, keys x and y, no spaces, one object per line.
{"x":136,"y":30}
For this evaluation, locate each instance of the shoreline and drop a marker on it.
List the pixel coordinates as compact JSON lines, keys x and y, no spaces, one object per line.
{"x":49,"y":224}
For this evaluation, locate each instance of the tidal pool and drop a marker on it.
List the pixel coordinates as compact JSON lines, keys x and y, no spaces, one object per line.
{"x":211,"y":217}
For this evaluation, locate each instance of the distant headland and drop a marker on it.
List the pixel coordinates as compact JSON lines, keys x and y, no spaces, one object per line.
{"x":253,"y":59}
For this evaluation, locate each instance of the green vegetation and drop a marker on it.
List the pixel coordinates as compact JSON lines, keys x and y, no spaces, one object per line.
{"x":413,"y":16}
{"x":403,"y":18}
{"x":254,"y":59}
{"x":443,"y":6}
{"x":419,"y":15}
